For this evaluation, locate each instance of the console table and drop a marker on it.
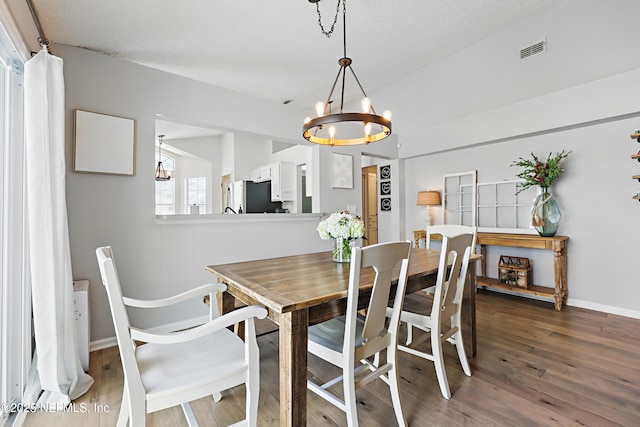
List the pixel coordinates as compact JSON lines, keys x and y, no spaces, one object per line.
{"x":557,"y":244}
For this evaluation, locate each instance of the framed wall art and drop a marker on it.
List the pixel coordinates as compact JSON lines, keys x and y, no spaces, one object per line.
{"x":385,"y":172}
{"x":103,"y":144}
{"x":385,"y":204}
{"x":341,"y":170}
{"x":385,"y":188}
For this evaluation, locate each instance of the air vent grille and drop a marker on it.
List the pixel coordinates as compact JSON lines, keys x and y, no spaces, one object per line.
{"x":533,"y":49}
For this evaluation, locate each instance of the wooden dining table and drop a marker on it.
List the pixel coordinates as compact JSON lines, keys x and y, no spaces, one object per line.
{"x":303,"y":290}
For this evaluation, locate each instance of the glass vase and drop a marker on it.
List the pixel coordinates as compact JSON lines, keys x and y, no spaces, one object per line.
{"x":545,"y":214}
{"x":341,"y":250}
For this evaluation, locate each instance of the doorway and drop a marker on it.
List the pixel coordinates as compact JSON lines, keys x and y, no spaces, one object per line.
{"x":370,"y":204}
{"x":225,"y":189}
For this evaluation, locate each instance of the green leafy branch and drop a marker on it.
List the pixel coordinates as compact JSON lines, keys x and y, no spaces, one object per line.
{"x":537,"y":172}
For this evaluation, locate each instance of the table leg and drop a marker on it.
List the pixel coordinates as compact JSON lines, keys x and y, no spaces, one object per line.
{"x":227,"y":303}
{"x":294,"y":330}
{"x":468,"y":315}
{"x":483,"y":262}
{"x":560,"y":273}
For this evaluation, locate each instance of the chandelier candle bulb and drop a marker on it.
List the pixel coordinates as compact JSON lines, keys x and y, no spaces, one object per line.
{"x":365,"y":104}
{"x":319,"y":108}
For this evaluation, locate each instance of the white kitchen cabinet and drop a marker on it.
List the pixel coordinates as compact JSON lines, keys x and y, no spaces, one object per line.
{"x":283,"y":182}
{"x":263,"y":173}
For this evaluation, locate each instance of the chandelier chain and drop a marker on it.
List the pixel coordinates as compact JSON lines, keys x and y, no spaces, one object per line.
{"x":335,"y":18}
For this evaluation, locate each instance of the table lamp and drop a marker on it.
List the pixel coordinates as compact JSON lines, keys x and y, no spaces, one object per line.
{"x":428,"y":198}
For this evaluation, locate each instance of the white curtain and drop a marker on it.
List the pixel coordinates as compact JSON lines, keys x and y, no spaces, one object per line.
{"x":59,"y":373}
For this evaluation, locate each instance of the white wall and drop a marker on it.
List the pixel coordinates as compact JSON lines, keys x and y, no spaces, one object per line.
{"x":250,"y":152}
{"x":227,"y":155}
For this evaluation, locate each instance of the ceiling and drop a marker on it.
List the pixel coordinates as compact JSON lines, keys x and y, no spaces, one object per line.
{"x":274,"y":49}
{"x":173,"y":130}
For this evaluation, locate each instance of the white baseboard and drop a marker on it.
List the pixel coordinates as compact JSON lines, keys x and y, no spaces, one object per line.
{"x":103,"y":343}
{"x":609,"y":309}
{"x":176,"y":326}
{"x":635,"y":314}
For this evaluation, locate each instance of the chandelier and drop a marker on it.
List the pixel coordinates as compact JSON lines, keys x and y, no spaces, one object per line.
{"x":161,"y":173}
{"x":344,"y":128}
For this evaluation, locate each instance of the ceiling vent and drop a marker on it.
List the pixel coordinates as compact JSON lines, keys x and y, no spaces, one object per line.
{"x":533,"y":49}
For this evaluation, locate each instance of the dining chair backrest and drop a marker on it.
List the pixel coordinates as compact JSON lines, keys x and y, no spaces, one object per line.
{"x":456,"y":249}
{"x":451,"y":229}
{"x":383,"y":258}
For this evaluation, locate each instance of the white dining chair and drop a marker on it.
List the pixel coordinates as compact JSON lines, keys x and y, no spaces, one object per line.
{"x":449,"y":229}
{"x":162,"y":370}
{"x":441,"y":322}
{"x":352,"y":339}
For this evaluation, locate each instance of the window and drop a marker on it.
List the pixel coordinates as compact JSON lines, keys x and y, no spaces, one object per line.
{"x":165,"y":190}
{"x":491,"y":206}
{"x":197,"y":193}
{"x":168,"y":163}
{"x":501,"y":209}
{"x":15,"y":314}
{"x":459,"y":198}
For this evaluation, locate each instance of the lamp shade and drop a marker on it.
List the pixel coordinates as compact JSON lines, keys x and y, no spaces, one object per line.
{"x":429,"y":198}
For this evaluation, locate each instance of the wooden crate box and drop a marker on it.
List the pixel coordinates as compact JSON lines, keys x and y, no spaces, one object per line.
{"x":515,"y":271}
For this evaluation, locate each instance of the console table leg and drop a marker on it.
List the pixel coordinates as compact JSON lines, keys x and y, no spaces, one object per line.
{"x":560,"y":273}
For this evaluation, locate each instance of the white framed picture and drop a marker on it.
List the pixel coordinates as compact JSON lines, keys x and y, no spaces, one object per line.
{"x":103,"y":144}
{"x":341,"y":170}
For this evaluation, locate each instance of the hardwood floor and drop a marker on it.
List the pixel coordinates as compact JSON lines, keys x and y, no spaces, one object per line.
{"x":535,"y":366}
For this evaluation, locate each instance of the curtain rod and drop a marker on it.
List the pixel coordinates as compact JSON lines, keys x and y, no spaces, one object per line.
{"x":42,"y":39}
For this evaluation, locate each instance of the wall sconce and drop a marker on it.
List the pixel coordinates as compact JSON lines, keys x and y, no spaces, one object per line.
{"x":428,"y":199}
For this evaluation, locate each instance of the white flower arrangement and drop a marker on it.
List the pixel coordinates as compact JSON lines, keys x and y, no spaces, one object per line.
{"x":341,"y":225}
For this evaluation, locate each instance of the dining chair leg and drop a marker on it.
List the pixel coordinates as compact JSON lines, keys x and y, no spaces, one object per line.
{"x":438,"y":361}
{"x":350,"y":403}
{"x":409,"y":334}
{"x":462,"y":355}
{"x":188,"y":414}
{"x":253,"y":390}
{"x":124,"y":415}
{"x":395,"y":388}
{"x":138,"y":415}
